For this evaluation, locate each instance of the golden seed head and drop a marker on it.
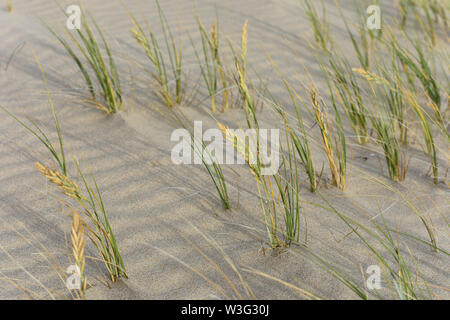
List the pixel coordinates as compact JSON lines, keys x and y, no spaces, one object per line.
{"x":67,"y":186}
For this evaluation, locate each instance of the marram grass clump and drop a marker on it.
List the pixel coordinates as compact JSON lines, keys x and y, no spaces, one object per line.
{"x":168,"y":69}
{"x":93,"y":56}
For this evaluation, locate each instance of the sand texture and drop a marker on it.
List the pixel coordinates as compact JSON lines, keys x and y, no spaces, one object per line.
{"x":159,"y":209}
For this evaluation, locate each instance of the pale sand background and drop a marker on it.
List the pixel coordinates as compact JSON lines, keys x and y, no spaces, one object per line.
{"x":150,"y":200}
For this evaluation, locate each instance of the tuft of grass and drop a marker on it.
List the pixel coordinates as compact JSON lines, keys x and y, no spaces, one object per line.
{"x":419,"y":66}
{"x":215,"y":172}
{"x":280,"y":192}
{"x":9,"y":5}
{"x":345,"y":90}
{"x":91,"y":202}
{"x":288,"y":183}
{"x":101,"y":64}
{"x":177,"y":119}
{"x":396,"y":161}
{"x":396,"y":103}
{"x":211,"y":66}
{"x":298,"y":135}
{"x":399,"y":89}
{"x":253,"y":157}
{"x":268,"y":200}
{"x":163,"y":64}
{"x":388,"y":118}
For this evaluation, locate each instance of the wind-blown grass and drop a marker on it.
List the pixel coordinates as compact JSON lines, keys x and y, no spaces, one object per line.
{"x":333,"y":138}
{"x":163,"y":64}
{"x":345,"y":90}
{"x":298,"y":136}
{"x":91,"y":200}
{"x":288,"y":182}
{"x":320,"y":26}
{"x":421,"y":69}
{"x":396,"y":161}
{"x":102,"y":65}
{"x":402,"y":281}
{"x":57,"y":153}
{"x":177,"y":119}
{"x":398,"y":87}
{"x":388,"y":119}
{"x":253,"y":157}
{"x":428,"y":14}
{"x":211,"y":65}
{"x":362,"y":48}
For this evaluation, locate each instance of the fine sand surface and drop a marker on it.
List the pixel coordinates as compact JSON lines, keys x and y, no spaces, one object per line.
{"x":156,"y":206}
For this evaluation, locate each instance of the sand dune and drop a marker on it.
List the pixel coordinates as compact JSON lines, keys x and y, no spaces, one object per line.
{"x":155,"y":204}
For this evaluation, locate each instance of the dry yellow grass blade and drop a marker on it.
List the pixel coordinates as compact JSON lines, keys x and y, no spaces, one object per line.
{"x":324,"y":125}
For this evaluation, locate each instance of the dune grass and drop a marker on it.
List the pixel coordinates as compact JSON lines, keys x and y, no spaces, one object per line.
{"x":10,"y":5}
{"x":211,"y":64}
{"x":386,"y":126}
{"x":253,"y":157}
{"x":92,"y":204}
{"x":384,"y":108}
{"x":163,"y":64}
{"x":396,"y":102}
{"x":419,"y":66}
{"x":361,"y":47}
{"x":387,"y":117}
{"x":337,"y":69}
{"x":400,"y":92}
{"x":177,"y":119}
{"x":288,"y":183}
{"x":94,"y":56}
{"x":90,"y":200}
{"x":396,"y":160}
{"x":382,"y":242}
{"x":298,"y":134}
{"x":279,"y":193}
{"x":333,"y":138}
